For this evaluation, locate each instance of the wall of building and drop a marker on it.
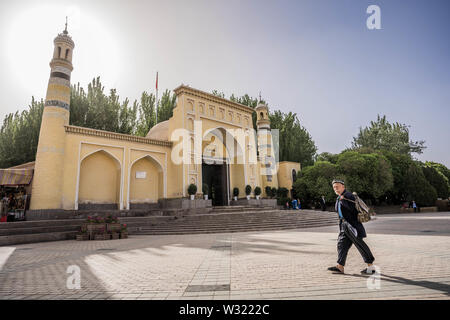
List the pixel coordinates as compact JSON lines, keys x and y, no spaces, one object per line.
{"x":81,"y":147}
{"x":285,"y":173}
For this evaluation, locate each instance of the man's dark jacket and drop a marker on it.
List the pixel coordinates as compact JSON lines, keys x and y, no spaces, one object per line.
{"x":350,"y":213}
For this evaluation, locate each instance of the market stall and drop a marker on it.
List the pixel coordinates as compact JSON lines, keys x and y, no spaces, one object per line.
{"x":15,"y":192}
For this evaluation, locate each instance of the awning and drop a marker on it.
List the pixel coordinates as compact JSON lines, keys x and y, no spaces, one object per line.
{"x":14,"y":177}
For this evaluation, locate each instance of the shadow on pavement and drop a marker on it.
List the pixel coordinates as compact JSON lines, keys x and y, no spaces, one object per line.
{"x":445,"y":288}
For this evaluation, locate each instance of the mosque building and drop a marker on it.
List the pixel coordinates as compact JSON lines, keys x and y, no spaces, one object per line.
{"x":208,"y":140}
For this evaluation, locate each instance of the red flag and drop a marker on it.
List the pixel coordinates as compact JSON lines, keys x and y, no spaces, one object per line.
{"x":156,"y":80}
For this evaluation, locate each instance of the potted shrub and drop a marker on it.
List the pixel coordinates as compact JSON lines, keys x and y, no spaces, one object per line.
{"x":274,"y":192}
{"x":257,"y":192}
{"x":268,"y":190}
{"x":235,"y":193}
{"x":205,"y":190}
{"x":112,"y":224}
{"x":94,"y":225}
{"x":248,"y":191}
{"x":192,"y":190}
{"x":82,"y":235}
{"x":115,"y":235}
{"x":100,"y":234}
{"x":123,"y":231}
{"x":283,"y":192}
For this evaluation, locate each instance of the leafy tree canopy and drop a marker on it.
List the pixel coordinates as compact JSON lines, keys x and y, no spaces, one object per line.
{"x":370,"y":175}
{"x":382,"y":135}
{"x":436,"y":180}
{"x":315,"y":182}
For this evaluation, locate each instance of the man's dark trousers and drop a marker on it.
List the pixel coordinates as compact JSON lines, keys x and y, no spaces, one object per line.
{"x":346,"y":239}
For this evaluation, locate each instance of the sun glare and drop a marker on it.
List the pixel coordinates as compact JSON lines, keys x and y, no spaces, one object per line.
{"x":30,"y":46}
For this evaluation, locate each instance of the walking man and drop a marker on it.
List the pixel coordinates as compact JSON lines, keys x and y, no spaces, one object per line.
{"x":351,"y":231}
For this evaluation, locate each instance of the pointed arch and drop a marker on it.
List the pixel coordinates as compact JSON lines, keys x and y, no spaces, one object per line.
{"x":161,"y":190}
{"x":100,"y":179}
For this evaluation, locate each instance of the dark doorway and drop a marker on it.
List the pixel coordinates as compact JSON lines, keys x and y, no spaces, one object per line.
{"x":215,"y":176}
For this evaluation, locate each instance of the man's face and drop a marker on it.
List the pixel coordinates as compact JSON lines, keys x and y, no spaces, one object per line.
{"x":338,"y":188}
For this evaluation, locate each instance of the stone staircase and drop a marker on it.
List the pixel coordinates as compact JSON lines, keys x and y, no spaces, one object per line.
{"x":219,"y":219}
{"x":240,"y":219}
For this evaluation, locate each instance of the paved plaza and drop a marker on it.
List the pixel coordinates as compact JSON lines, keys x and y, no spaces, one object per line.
{"x":411,"y":250}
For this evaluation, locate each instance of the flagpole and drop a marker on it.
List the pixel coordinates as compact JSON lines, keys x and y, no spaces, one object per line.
{"x":156,"y":122}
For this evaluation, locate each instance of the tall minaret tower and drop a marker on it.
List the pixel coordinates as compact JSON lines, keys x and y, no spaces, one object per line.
{"x":267,"y":159}
{"x":48,"y":172}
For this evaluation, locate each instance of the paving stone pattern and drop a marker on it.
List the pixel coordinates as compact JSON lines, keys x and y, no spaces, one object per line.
{"x":249,"y":265}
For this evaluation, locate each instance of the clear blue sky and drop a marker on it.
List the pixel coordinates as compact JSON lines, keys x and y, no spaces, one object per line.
{"x":316,"y":58}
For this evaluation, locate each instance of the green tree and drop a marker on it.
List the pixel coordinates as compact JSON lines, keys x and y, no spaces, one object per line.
{"x":442,"y":170}
{"x":326,"y":156}
{"x":94,"y":109}
{"x":127,"y":118}
{"x":370,"y":175}
{"x":218,"y":94}
{"x":166,"y":106}
{"x":382,"y":135}
{"x":436,"y":180}
{"x":418,"y":188}
{"x":400,"y":164}
{"x":147,"y":115}
{"x":19,"y":135}
{"x":315,"y":181}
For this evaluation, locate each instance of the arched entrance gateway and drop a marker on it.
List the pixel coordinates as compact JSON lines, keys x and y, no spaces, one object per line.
{"x":223,"y":165}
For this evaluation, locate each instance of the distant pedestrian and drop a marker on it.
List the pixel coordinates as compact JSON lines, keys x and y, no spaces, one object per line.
{"x":294,"y":204}
{"x":299,"y":205}
{"x":414,"y":205}
{"x":323,"y":203}
{"x":351,"y":231}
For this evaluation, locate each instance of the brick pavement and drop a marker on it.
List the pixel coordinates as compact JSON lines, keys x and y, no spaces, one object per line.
{"x":253,"y":265}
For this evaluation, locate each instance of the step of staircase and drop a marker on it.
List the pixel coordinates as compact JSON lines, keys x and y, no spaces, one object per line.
{"x":239,"y":222}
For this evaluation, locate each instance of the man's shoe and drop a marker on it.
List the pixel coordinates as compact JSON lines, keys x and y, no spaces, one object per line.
{"x":368,"y":271}
{"x":335,"y":269}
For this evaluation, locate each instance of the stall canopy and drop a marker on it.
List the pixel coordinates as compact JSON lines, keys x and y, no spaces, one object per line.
{"x":19,"y":175}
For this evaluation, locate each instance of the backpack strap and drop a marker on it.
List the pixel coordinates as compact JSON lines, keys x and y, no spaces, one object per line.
{"x":348,"y":200}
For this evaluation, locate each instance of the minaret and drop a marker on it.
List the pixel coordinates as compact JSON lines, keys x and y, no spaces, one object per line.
{"x":48,"y":172}
{"x":267,"y":159}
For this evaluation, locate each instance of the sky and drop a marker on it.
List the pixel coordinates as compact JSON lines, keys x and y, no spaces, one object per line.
{"x":315,"y":58}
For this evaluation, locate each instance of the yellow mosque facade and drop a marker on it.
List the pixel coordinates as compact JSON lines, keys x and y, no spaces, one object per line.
{"x":208,"y":141}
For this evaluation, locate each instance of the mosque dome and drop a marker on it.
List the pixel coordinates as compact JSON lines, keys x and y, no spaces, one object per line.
{"x":159,"y":131}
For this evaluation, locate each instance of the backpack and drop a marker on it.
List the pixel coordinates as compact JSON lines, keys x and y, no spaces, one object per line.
{"x":362,"y":208}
